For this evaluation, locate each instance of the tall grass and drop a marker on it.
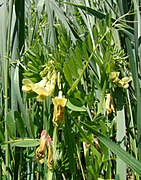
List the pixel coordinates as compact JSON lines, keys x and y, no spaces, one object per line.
{"x":70,"y":90}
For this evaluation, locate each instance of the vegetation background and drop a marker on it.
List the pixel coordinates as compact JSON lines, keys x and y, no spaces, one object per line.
{"x":94,"y":49}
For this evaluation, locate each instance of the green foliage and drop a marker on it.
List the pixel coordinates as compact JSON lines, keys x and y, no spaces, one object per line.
{"x":80,"y":61}
{"x":25,"y":143}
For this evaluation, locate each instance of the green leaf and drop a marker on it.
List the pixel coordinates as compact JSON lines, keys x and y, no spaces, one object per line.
{"x":89,"y":10}
{"x":73,"y":67}
{"x":11,"y":126}
{"x":67,"y":74}
{"x":79,"y":57}
{"x":1,"y":137}
{"x":127,"y":30}
{"x":59,"y":12}
{"x":134,"y":164}
{"x":26,"y":143}
{"x":21,"y":127}
{"x":19,"y":99}
{"x":70,"y":142}
{"x":75,"y":105}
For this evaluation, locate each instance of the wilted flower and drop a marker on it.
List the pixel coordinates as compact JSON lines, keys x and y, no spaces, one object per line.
{"x":109,"y":104}
{"x":45,"y":145}
{"x":59,"y":104}
{"x":27,"y":85}
{"x":41,"y":150}
{"x":49,"y":145}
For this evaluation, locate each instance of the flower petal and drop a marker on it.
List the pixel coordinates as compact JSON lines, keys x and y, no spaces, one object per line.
{"x":26,"y":88}
{"x":114,"y":76}
{"x":40,"y":90}
{"x":27,"y":85}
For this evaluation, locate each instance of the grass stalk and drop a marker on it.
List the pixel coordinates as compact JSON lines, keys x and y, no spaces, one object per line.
{"x":137,"y":50}
{"x":132,"y":142}
{"x":134,"y":71}
{"x":121,"y":134}
{"x":80,"y":163}
{"x":55,"y":146}
{"x":7,"y":152}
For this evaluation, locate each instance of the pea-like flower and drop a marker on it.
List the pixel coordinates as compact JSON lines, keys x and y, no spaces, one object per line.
{"x":124,"y":82}
{"x":39,"y":88}
{"x":59,"y":104}
{"x":114,"y":76}
{"x":43,"y":88}
{"x":27,"y":85}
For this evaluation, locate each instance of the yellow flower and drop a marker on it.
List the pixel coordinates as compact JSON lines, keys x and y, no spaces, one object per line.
{"x":50,"y":85}
{"x":54,"y":77}
{"x":50,"y":88}
{"x":114,"y":76}
{"x":59,"y":104}
{"x":39,"y":87}
{"x":40,"y":90}
{"x":124,"y":82}
{"x":109,"y":104}
{"x":43,"y":89}
{"x":41,"y":97}
{"x":27,"y":85}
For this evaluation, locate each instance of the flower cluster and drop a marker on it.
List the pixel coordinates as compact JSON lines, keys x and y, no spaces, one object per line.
{"x":50,"y":76}
{"x":45,"y":145}
{"x":124,"y":82}
{"x":46,"y":86}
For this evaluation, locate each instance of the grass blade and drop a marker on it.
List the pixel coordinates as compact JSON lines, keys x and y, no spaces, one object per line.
{"x":126,"y":157}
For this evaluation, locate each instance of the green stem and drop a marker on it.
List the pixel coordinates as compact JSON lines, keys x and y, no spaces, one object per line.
{"x":54,"y":146}
{"x":102,"y":97}
{"x":87,"y":63}
{"x":91,"y":56}
{"x":50,"y":175}
{"x":6,"y":86}
{"x":78,"y":155}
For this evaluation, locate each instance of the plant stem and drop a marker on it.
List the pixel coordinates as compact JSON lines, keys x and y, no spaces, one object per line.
{"x":6,"y":73}
{"x":54,"y":146}
{"x":102,"y":97}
